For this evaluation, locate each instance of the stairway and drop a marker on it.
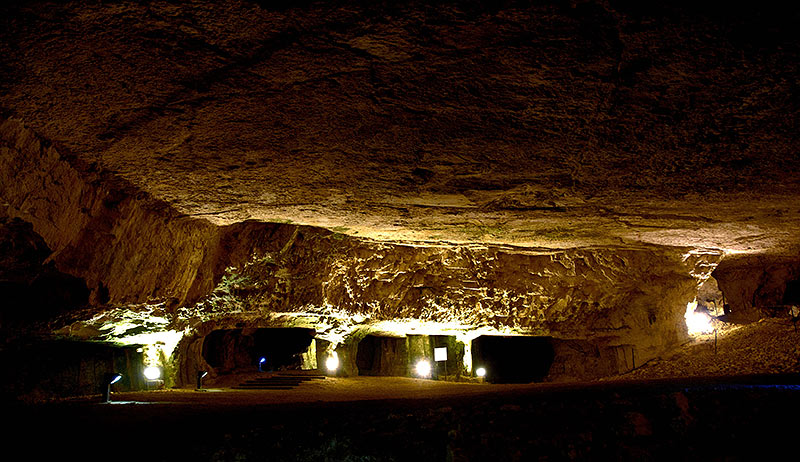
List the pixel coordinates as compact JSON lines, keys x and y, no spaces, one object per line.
{"x":285,"y":380}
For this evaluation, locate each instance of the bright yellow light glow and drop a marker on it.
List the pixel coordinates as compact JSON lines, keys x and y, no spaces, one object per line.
{"x":332,"y":363}
{"x":152,"y":373}
{"x":480,"y":372}
{"x":697,"y":323}
{"x":423,"y":368}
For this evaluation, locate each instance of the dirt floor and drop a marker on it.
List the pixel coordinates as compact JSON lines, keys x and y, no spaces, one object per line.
{"x":744,"y":416}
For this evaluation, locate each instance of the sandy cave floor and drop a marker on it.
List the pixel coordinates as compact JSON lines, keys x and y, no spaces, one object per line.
{"x":768,"y":347}
{"x":747,"y":414}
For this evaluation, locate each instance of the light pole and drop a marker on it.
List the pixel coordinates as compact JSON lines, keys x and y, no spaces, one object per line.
{"x":200,"y":375}
{"x":110,"y":379}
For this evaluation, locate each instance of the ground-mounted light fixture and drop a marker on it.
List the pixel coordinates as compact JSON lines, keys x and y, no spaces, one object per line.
{"x":332,"y":363}
{"x":261,"y":363}
{"x":423,"y":368}
{"x":480,"y":372}
{"x":200,"y":376}
{"x":108,"y":380}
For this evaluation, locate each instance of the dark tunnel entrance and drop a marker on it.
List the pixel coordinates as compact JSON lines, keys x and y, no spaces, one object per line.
{"x":791,"y":296}
{"x":232,"y":350}
{"x":379,"y":355}
{"x":513,"y":359}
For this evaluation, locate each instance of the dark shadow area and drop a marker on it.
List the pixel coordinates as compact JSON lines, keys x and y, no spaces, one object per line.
{"x":513,"y":359}
{"x":791,"y":296}
{"x":31,"y":289}
{"x":675,"y":420}
{"x":379,"y":355}
{"x":229,"y":350}
{"x":37,"y":370}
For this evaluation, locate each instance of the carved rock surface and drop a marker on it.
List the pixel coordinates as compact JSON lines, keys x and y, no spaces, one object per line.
{"x":557,"y":124}
{"x":563,"y":169}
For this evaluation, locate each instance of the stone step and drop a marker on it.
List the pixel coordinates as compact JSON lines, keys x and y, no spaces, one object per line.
{"x":279,"y":381}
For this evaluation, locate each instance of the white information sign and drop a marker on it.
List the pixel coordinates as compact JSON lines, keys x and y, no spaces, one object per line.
{"x":440,"y":354}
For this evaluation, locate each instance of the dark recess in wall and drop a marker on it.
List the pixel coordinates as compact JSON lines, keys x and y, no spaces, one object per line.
{"x":791,"y":296}
{"x":382,"y":355}
{"x":32,"y":289}
{"x":229,"y":350}
{"x":38,"y":370}
{"x":513,"y":359}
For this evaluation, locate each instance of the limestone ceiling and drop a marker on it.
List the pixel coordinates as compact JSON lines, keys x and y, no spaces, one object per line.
{"x":548,"y":125}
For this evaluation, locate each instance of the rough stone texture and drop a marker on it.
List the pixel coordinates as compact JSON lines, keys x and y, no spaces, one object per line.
{"x":557,"y":124}
{"x":565,"y":169}
{"x":127,"y":246}
{"x":31,"y":289}
{"x":754,"y":286}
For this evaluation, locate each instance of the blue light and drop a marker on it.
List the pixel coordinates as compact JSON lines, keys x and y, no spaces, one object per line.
{"x":115,"y":378}
{"x":262,"y":360}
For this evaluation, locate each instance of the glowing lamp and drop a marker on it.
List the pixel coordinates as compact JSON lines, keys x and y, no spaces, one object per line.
{"x":261,"y":362}
{"x":423,"y":368}
{"x":152,"y":373}
{"x":697,"y":323}
{"x":480,"y":372}
{"x":332,"y":363}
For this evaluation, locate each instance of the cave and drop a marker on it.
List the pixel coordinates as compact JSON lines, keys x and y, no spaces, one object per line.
{"x":595,"y":194}
{"x":231,"y":350}
{"x":516,"y":359}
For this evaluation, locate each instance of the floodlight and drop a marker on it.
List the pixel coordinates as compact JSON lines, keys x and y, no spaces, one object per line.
{"x":480,"y":372}
{"x":332,"y":363}
{"x":423,"y":368}
{"x":697,"y":322}
{"x":152,"y":373}
{"x":260,"y":362}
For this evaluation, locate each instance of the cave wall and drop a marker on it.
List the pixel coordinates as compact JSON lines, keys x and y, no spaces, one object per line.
{"x":125,"y":245}
{"x":31,"y":289}
{"x":581,"y":360}
{"x":754,"y":285}
{"x":39,"y":370}
{"x":631,"y":295}
{"x":130,"y":248}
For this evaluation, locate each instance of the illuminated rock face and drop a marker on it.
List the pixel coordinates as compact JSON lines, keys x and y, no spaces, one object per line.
{"x":570,"y":172}
{"x":757,"y":286}
{"x":279,"y":274}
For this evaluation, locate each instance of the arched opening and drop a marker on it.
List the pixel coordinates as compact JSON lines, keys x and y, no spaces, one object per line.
{"x":513,"y":359}
{"x":231,"y":350}
{"x":379,"y":355}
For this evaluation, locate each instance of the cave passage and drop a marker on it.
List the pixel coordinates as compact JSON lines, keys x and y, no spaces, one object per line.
{"x":791,"y":296}
{"x":513,"y":359}
{"x":378,"y":355}
{"x":230,"y":350}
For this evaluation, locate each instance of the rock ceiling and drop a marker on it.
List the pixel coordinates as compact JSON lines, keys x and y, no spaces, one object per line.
{"x":557,"y":125}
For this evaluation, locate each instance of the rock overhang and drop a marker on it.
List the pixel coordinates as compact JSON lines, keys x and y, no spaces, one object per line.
{"x":200,"y":131}
{"x":545,"y":125}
